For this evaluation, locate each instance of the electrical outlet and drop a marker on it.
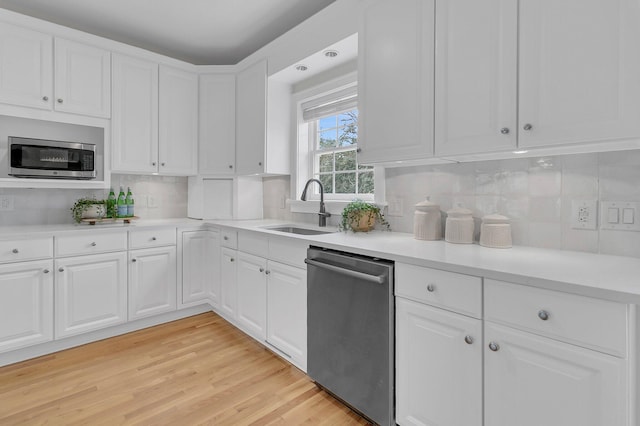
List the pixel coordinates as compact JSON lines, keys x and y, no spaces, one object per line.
{"x":395,"y":207}
{"x":6,"y":203}
{"x":584,"y":214}
{"x":152,"y":202}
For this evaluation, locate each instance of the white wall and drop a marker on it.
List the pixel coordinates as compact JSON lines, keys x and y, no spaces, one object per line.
{"x":535,"y":193}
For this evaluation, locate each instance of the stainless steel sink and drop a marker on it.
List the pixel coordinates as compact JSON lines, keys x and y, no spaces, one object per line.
{"x":296,"y":230}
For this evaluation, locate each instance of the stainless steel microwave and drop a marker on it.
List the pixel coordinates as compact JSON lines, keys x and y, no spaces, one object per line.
{"x":39,"y":158}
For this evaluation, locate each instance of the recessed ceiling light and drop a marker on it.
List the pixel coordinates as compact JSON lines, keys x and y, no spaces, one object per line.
{"x":330,"y":53}
{"x":301,"y":67}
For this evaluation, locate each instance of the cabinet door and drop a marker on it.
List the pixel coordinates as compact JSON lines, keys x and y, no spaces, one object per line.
{"x":82,"y":79}
{"x":152,"y":281}
{"x":135,"y":115}
{"x":91,"y":293}
{"x":395,"y":81}
{"x":287,"y":311}
{"x":201,"y":267}
{"x":26,"y":67}
{"x":251,"y":116}
{"x":178,"y":112}
{"x":217,"y":142}
{"x":228,"y":282}
{"x":532,"y":380}
{"x":476,"y":76}
{"x":251,"y":313}
{"x":26,"y":304}
{"x":438,"y":366}
{"x":579,"y":67}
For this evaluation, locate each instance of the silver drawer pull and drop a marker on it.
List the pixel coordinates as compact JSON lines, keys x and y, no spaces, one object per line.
{"x":261,"y":269}
{"x":61,"y":269}
{"x":153,"y":238}
{"x":494,"y":346}
{"x":225,"y":238}
{"x":267,"y":272}
{"x":134,"y":260}
{"x":232,"y":260}
{"x":543,"y":315}
{"x":468,"y":340}
{"x":46,"y":271}
{"x":431,"y":288}
{"x":93,"y":244}
{"x":15,"y":251}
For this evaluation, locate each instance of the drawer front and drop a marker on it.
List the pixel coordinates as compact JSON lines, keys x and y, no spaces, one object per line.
{"x":89,"y":243}
{"x":580,"y":320}
{"x":229,"y":238}
{"x":290,"y":251}
{"x":254,"y":243}
{"x":27,"y":249}
{"x":145,"y":238}
{"x":449,"y":290}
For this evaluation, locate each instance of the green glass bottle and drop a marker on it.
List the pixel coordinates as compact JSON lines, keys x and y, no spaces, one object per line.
{"x":129,"y":202}
{"x":111,"y":204}
{"x":122,"y":204}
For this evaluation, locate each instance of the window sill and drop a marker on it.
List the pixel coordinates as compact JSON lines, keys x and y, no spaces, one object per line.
{"x":334,"y":207}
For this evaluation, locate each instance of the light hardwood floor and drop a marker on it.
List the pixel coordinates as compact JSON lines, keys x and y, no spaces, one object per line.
{"x":199,"y":370}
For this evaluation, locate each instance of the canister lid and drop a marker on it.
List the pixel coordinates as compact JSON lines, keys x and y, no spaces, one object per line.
{"x":427,"y":205}
{"x":459,"y":211}
{"x":495,"y":218}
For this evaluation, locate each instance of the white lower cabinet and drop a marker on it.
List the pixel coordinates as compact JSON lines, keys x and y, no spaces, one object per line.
{"x":287,"y":311}
{"x":228,"y":282}
{"x":439,"y":366}
{"x":532,"y":380}
{"x":90,"y":293}
{"x":26,"y":304}
{"x":201,"y":267}
{"x":251,"y":310}
{"x":152,"y":281}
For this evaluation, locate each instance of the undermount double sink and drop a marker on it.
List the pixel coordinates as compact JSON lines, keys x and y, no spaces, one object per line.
{"x":297,"y":230}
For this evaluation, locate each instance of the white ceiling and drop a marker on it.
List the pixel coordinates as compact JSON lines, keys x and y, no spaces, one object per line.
{"x":211,"y":32}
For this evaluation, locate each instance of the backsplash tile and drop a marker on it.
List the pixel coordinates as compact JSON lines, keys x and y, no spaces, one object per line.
{"x":536,"y":193}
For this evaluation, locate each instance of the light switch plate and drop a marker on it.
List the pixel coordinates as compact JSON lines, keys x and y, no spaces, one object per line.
{"x":620,"y":215}
{"x":6,"y":203}
{"x":584,"y":214}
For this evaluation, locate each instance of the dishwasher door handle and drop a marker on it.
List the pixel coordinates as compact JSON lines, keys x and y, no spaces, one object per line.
{"x":378,"y":279}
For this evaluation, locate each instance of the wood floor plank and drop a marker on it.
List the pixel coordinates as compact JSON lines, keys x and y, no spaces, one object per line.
{"x":198,"y":370}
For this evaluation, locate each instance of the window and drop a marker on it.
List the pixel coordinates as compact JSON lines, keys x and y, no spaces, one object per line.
{"x":334,"y":140}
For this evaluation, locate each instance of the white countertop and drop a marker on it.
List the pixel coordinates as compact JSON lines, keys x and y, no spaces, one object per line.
{"x":614,"y":278}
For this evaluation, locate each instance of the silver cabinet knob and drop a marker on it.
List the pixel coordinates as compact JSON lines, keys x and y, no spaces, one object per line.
{"x":230,"y":166}
{"x":494,"y":346}
{"x":153,"y":164}
{"x":15,"y":251}
{"x":504,"y":130}
{"x":153,"y":238}
{"x":468,"y":340}
{"x":162,"y":164}
{"x":45,"y":98}
{"x":431,"y":288}
{"x":93,"y":244}
{"x":225,"y":238}
{"x":527,"y":126}
{"x":60,"y":100}
{"x":46,"y":271}
{"x":543,"y":315}
{"x":267,"y":272}
{"x":134,"y":260}
{"x":232,"y":260}
{"x":61,"y":269}
{"x":261,"y":269}
{"x":260,"y":163}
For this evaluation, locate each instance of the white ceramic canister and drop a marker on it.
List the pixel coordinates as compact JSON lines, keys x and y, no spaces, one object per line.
{"x":427,"y":221}
{"x":495,"y":231}
{"x":459,"y":226}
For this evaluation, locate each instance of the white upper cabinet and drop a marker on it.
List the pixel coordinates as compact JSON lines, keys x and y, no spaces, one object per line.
{"x":178,"y":121}
{"x":395,"y":81}
{"x":535,"y":73}
{"x":262,"y":122}
{"x":579,"y":68}
{"x":26,"y":59}
{"x":135,"y":115}
{"x":82,"y":79}
{"x":217,"y":141}
{"x":476,"y":76}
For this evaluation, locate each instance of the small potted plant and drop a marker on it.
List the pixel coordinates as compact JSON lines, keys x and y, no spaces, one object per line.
{"x":88,"y":208}
{"x":360,"y":216}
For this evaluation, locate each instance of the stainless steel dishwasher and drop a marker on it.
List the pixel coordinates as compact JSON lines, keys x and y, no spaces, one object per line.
{"x":350,"y":320}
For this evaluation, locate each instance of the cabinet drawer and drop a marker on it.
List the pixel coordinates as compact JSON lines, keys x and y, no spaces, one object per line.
{"x":229,"y":239}
{"x":288,"y":250}
{"x":584,"y":321}
{"x":449,"y":290}
{"x":88,"y":243}
{"x":27,"y":249}
{"x":254,"y":243}
{"x":152,"y":238}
